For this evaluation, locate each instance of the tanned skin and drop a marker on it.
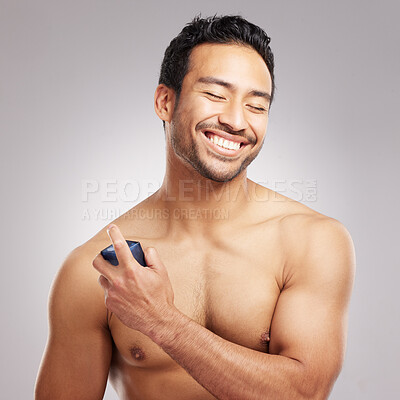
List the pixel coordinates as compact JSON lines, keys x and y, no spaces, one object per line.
{"x":251,"y":303}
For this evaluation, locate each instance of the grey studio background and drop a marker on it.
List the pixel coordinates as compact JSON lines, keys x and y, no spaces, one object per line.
{"x":77,"y":124}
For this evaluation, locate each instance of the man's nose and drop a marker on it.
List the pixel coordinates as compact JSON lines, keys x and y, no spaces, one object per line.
{"x":233,"y":116}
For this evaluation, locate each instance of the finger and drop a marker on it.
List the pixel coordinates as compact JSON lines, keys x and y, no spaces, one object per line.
{"x":153,"y":259}
{"x":103,"y":266}
{"x":121,"y":248}
{"x":104,"y":283}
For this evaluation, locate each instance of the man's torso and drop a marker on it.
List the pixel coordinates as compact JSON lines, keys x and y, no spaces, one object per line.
{"x":227,"y":280}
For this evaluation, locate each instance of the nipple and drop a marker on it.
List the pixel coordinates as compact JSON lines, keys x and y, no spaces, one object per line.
{"x":137,"y":354}
{"x":265,"y":338}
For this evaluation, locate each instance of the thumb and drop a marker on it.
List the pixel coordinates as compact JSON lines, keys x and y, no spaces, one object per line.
{"x":153,"y":259}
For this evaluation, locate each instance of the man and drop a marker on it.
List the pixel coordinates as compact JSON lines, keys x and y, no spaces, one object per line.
{"x":245,"y":293}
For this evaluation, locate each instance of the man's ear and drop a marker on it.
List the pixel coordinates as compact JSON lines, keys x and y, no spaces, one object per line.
{"x":164,"y":102}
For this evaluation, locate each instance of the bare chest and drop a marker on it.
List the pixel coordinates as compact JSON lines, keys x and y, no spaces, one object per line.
{"x":229,"y":289}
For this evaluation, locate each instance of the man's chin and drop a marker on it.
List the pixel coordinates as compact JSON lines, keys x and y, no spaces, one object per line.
{"x":218,"y":176}
{"x":215,"y":170}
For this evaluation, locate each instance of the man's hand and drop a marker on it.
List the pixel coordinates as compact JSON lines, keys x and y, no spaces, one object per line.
{"x":139,"y":296}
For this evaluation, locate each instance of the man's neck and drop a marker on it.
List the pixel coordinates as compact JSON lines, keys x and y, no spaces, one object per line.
{"x":197,"y":204}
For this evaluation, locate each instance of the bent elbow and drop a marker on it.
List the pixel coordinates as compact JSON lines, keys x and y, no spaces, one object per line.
{"x":316,"y":389}
{"x":317,"y":386}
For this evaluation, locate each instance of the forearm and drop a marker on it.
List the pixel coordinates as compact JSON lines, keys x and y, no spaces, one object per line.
{"x":225,"y":369}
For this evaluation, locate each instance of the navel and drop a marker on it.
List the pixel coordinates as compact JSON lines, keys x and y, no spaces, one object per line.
{"x":137,"y":354}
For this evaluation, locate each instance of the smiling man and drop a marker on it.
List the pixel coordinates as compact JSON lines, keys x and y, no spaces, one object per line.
{"x":249,"y":302}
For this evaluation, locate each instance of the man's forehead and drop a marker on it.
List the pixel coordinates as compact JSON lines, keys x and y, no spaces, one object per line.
{"x":230,"y":62}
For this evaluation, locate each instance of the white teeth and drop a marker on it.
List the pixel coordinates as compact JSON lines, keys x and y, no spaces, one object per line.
{"x":226,"y":144}
{"x":231,"y":145}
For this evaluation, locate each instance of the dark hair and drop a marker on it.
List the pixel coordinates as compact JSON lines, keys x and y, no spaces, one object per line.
{"x":223,"y":29}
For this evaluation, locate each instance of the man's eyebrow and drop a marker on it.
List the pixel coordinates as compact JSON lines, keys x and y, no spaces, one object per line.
{"x":216,"y":81}
{"x":259,"y":93}
{"x":231,"y":86}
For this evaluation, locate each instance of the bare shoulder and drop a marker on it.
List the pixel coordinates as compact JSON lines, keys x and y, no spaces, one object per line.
{"x":309,"y":239}
{"x":77,"y":268}
{"x":75,"y":291}
{"x":79,"y":261}
{"x":306,"y":228}
{"x":300,"y":224}
{"x":318,"y":247}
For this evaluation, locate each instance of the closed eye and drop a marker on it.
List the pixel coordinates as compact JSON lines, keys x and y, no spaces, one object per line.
{"x":260,"y":109}
{"x":257,"y":109}
{"x":214,"y":95}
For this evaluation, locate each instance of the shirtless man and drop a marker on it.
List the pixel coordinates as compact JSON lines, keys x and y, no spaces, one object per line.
{"x":249,"y":302}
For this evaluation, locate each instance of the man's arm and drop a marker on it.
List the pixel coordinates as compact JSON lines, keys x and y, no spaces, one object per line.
{"x":308,"y":331}
{"x":307,"y":334}
{"x":77,"y":358}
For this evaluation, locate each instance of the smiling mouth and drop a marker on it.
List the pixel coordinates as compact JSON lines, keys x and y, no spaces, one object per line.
{"x":223,"y":143}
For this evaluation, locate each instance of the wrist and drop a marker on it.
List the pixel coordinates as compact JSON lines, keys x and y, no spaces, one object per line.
{"x":168,"y":327}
